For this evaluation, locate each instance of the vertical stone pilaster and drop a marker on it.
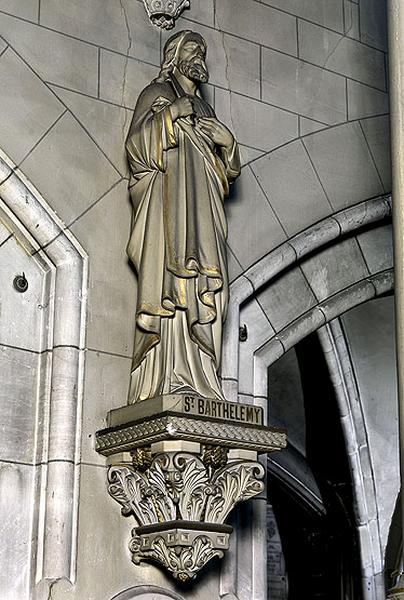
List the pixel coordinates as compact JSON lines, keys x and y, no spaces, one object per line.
{"x":395,"y":17}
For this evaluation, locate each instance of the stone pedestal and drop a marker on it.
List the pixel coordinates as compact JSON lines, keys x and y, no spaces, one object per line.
{"x":179,"y":464}
{"x":188,"y":418}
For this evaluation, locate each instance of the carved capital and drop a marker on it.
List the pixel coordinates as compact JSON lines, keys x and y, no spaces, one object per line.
{"x":180,"y":504}
{"x":190,"y":461}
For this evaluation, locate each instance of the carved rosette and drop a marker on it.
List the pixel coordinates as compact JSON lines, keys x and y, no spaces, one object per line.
{"x":180,"y":504}
{"x":164,"y":13}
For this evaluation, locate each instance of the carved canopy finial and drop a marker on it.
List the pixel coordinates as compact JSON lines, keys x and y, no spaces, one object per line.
{"x":164,"y":13}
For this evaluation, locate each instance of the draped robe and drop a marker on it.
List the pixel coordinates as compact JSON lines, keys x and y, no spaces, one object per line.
{"x":178,"y":183}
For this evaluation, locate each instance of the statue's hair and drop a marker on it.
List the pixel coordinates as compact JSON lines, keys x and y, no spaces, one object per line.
{"x":171,"y":50}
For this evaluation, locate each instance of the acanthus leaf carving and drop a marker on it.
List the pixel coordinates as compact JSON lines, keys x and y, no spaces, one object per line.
{"x":234,"y":483}
{"x":184,"y":563}
{"x":180,"y":505}
{"x":196,"y":487}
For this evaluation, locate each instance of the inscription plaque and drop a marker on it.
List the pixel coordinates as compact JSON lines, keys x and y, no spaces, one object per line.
{"x":190,"y":405}
{"x":218,"y":409}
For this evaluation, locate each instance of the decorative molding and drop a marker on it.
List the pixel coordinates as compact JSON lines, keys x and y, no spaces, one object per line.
{"x":339,"y":362}
{"x":284,"y":257}
{"x":358,"y":293}
{"x":181,"y":552}
{"x":179,"y":492}
{"x":169,"y":427}
{"x":312,"y":240}
{"x":26,"y":212}
{"x":180,"y":505}
{"x":164,"y":13}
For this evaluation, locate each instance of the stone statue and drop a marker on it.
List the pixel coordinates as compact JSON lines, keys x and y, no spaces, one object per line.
{"x":182,"y":160}
{"x":182,"y":482}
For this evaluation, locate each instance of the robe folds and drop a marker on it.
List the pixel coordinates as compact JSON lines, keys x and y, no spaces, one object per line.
{"x":178,"y":183}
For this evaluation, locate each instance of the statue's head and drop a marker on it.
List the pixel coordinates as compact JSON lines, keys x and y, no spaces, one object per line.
{"x":186,"y":51}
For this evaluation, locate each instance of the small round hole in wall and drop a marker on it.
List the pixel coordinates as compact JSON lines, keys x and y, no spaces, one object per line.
{"x":20,"y":283}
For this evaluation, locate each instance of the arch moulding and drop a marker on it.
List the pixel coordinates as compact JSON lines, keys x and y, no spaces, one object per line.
{"x":331,"y":230}
{"x":45,"y":237}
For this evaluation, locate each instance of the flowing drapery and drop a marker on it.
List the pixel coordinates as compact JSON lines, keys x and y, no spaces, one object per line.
{"x":177,"y":246}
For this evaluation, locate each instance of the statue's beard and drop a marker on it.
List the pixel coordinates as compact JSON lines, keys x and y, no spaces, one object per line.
{"x":194,"y":71}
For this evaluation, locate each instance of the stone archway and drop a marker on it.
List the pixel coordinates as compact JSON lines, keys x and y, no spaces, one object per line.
{"x":245,"y":365}
{"x":353,"y":423}
{"x":276,"y":263}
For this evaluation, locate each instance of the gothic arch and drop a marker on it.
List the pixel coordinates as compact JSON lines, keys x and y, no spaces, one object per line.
{"x":353,"y":424}
{"x":303,"y":246}
{"x":244,"y":372}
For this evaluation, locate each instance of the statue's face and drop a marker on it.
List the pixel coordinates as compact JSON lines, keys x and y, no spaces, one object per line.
{"x":191,"y":61}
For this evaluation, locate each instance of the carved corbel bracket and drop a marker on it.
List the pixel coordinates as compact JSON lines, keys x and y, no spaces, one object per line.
{"x":164,"y":13}
{"x":180,"y":505}
{"x":180,"y":472}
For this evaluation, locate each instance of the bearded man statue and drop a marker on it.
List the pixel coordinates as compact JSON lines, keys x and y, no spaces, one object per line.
{"x":182,"y":159}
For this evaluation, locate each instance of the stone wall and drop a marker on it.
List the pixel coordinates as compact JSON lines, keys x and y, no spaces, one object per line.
{"x":303,"y":86}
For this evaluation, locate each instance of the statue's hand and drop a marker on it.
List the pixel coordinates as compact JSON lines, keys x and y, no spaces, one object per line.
{"x":217,"y":132}
{"x":181,"y":107}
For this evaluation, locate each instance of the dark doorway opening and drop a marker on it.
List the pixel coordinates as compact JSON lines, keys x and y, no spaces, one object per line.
{"x":319,"y":542}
